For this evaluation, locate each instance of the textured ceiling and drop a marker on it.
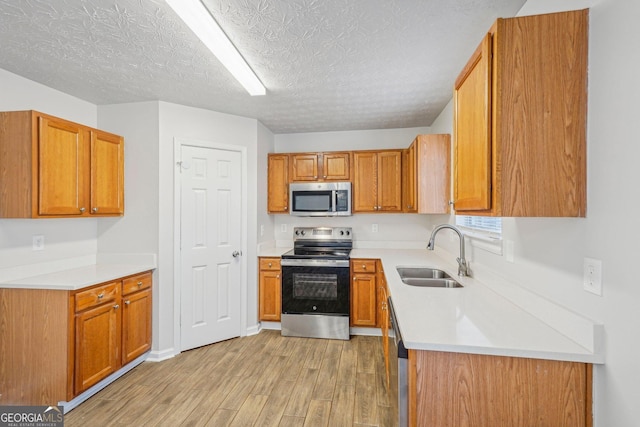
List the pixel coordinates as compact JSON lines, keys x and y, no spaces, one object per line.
{"x":327,"y":64}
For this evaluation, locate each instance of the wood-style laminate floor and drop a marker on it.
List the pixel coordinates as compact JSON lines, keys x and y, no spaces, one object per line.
{"x":261,"y":380}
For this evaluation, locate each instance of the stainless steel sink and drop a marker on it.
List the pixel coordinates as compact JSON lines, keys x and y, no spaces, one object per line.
{"x":427,"y":277}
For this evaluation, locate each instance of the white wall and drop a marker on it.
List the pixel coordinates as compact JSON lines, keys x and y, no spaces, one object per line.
{"x":138,"y":230}
{"x":265,"y":145}
{"x":393,"y":229}
{"x":549,"y":252}
{"x":64,"y":238}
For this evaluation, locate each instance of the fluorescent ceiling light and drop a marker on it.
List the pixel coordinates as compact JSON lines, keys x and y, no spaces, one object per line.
{"x":198,"y":18}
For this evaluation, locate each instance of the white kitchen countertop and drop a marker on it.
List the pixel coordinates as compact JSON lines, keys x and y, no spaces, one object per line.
{"x":473,"y":319}
{"x":81,"y":276}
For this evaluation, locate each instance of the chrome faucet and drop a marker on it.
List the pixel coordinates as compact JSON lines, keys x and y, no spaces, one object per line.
{"x":463,"y":269}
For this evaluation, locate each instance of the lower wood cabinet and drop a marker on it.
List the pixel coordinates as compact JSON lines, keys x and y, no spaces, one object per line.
{"x":55,"y":344}
{"x":363,"y":293}
{"x":457,"y":389}
{"x":270,"y":292}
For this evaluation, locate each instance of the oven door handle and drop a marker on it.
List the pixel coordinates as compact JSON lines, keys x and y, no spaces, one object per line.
{"x":315,"y":263}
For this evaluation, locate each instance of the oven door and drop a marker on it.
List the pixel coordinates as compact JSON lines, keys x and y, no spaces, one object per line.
{"x":315,"y":286}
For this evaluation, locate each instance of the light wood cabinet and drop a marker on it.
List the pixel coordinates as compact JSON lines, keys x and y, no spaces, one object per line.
{"x":377,"y":183}
{"x":278,"y":183}
{"x":269,"y":289}
{"x":383,"y":318}
{"x":508,"y":391}
{"x":363,"y":293}
{"x":520,"y":119}
{"x":52,"y":167}
{"x":330,"y":166}
{"x":55,"y":344}
{"x":427,"y":175}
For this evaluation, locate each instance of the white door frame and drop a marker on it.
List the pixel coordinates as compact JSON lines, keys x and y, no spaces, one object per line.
{"x":177,"y":213}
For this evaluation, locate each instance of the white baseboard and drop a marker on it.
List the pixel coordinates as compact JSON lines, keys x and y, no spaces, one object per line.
{"x":160,"y":355}
{"x":253,"y":330}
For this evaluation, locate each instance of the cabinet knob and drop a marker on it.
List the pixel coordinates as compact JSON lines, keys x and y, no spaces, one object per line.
{"x":285,"y":208}
{"x":117,"y":306}
{"x":82,"y":210}
{"x":94,"y":210}
{"x":315,"y":177}
{"x":277,"y":276}
{"x":325,"y":176}
{"x":101,"y":295}
{"x":127,"y":302}
{"x":139,"y":284}
{"x":364,"y":266}
{"x":269,"y":264}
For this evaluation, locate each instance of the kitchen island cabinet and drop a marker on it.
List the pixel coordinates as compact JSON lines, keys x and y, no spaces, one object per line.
{"x":72,"y":338}
{"x":520,"y":119}
{"x":52,"y":167}
{"x":457,"y":389}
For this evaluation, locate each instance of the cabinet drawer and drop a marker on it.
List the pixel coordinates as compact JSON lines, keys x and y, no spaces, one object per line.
{"x":363,"y":265}
{"x":136,"y":283}
{"x":98,"y":295}
{"x":270,"y":264}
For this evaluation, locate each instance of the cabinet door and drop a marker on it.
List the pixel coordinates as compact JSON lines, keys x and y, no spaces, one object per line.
{"x":278,"y":183}
{"x":472,"y":129}
{"x":409,"y":178}
{"x":363,"y":300}
{"x":97,"y":333}
{"x":335,"y":166}
{"x":270,"y":296}
{"x":304,"y":167}
{"x":136,"y":325}
{"x":365,"y":185}
{"x":390,"y":181}
{"x":107,"y":174}
{"x":62,"y":168}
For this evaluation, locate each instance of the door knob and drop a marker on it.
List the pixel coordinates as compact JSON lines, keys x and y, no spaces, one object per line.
{"x":236,"y":254}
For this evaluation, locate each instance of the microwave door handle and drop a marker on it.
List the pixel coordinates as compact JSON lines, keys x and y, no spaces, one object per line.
{"x":335,"y":201}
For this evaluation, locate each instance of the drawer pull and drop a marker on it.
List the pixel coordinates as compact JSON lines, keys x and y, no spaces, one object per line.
{"x":127,"y":302}
{"x":82,"y":210}
{"x":117,"y":306}
{"x":94,"y":210}
{"x":101,"y":295}
{"x":364,"y":267}
{"x":269,"y":264}
{"x":277,"y":276}
{"x":139,"y":284}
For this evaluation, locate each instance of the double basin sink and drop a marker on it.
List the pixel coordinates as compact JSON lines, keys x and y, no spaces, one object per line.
{"x":427,"y":277}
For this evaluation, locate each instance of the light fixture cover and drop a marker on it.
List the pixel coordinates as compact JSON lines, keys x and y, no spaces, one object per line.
{"x":198,"y":18}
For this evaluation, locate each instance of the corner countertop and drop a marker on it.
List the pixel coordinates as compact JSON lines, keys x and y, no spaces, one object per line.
{"x":81,"y":273}
{"x":472,"y":319}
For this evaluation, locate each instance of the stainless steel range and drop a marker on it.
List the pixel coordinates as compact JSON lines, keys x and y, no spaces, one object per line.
{"x":315,"y":283}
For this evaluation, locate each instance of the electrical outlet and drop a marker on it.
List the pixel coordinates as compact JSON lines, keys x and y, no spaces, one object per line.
{"x":593,"y":276}
{"x":283,"y":228}
{"x":508,"y":250}
{"x":374,"y":228}
{"x":38,"y":242}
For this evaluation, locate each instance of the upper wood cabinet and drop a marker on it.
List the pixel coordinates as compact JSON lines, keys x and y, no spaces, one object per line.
{"x":377,"y":185}
{"x":333,"y":166}
{"x":52,"y":167}
{"x":427,"y":174}
{"x":278,"y":183}
{"x":520,"y":119}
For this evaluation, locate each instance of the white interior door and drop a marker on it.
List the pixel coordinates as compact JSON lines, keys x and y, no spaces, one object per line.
{"x":210,"y":241}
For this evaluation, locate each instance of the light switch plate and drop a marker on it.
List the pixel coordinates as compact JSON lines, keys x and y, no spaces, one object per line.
{"x":283,"y":228}
{"x":593,"y":276}
{"x":374,"y":228}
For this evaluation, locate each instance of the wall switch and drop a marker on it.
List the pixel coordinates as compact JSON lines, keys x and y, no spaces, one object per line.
{"x":283,"y":228}
{"x":38,"y":243}
{"x":374,"y":228}
{"x":593,"y":276}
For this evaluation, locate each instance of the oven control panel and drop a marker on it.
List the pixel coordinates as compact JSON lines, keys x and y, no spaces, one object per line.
{"x":322,"y":233}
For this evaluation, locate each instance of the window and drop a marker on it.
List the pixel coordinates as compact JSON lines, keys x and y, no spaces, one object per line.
{"x":484,"y":232}
{"x":489,"y":225}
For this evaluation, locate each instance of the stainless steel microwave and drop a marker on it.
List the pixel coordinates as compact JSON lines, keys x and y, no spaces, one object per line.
{"x":320,"y":199}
